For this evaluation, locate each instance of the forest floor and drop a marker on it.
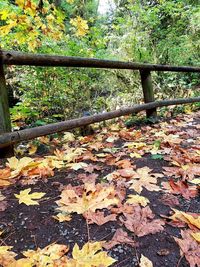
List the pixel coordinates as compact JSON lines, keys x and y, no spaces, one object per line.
{"x":126,"y":196}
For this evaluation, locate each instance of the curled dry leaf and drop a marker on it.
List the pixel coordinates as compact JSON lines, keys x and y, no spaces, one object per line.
{"x":141,"y":222}
{"x":120,"y":237}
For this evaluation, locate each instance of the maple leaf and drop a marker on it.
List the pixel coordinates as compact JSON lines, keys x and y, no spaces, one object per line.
{"x":91,"y":255}
{"x":48,"y":256}
{"x":98,"y":217}
{"x":17,"y":166}
{"x":146,"y":179}
{"x":189,"y":248}
{"x":6,"y":257}
{"x":26,"y":198}
{"x":92,"y":198}
{"x":77,"y":166}
{"x":137,"y":199}
{"x":170,"y":200}
{"x":120,"y":237}
{"x":145,"y":262}
{"x":192,"y":220}
{"x":181,"y":187}
{"x":196,"y":236}
{"x":81,"y":26}
{"x":62,"y":217}
{"x":184,"y":171}
{"x":141,"y":222}
{"x":5,"y":177}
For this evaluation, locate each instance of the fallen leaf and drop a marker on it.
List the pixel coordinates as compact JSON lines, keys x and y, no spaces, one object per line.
{"x":91,"y":255}
{"x":145,"y":262}
{"x":191,"y":219}
{"x":92,"y":198}
{"x":3,"y":205}
{"x":61,"y":217}
{"x":141,"y":222}
{"x":170,"y":200}
{"x":189,"y":248}
{"x":146,"y":179}
{"x":196,"y":236}
{"x":181,"y":187}
{"x":137,"y":199}
{"x":98,"y":217}
{"x":28,"y":199}
{"x":120,"y":237}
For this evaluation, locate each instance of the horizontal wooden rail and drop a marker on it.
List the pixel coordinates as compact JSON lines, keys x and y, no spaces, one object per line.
{"x":19,"y":58}
{"x":27,"y":134}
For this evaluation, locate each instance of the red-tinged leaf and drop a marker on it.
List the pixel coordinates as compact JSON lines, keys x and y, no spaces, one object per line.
{"x":182,"y":188}
{"x":120,"y":237}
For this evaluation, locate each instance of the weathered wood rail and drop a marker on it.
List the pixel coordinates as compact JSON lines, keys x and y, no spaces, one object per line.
{"x":8,"y":138}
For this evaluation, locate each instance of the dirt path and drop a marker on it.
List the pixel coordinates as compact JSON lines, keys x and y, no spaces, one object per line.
{"x":113,"y":157}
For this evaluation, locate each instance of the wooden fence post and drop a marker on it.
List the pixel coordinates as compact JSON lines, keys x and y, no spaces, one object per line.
{"x":148,"y":93}
{"x":5,"y":124}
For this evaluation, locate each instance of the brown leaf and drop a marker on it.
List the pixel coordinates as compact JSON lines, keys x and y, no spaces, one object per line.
{"x":98,"y":217}
{"x":120,"y":237}
{"x":170,"y":200}
{"x":141,"y":222}
{"x":3,"y":205}
{"x":163,"y":252}
{"x":124,"y":163}
{"x":189,"y":248}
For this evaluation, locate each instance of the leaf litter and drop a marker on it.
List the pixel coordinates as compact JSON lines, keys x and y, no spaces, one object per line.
{"x":108,"y":201}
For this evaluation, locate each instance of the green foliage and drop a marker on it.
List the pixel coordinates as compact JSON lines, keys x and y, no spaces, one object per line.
{"x":156,"y":31}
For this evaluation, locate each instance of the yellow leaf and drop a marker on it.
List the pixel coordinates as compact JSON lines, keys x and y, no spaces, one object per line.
{"x":68,"y":137}
{"x":6,"y":257}
{"x":26,"y":198}
{"x":92,"y":198}
{"x":195,"y":181}
{"x":81,"y":26}
{"x":187,"y":218}
{"x":91,"y":255}
{"x":135,"y":155}
{"x":145,"y":262}
{"x":20,"y":3}
{"x":196,"y":236}
{"x":137,"y":199}
{"x":32,"y":149}
{"x":4,"y":14}
{"x":77,"y":166}
{"x":62,"y":217}
{"x":70,"y":1}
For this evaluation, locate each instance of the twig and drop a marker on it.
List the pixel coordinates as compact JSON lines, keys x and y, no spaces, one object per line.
{"x":179,"y":261}
{"x":88,"y":232}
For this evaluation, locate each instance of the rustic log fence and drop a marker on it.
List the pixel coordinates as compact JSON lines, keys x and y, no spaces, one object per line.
{"x":8,"y":138}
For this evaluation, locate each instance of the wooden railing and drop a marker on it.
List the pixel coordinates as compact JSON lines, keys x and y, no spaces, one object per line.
{"x":8,"y":138}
